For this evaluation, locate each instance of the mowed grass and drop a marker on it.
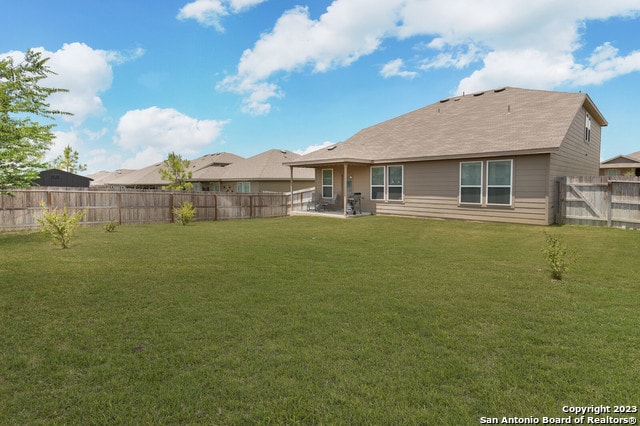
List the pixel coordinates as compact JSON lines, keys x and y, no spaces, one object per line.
{"x":308,"y":320}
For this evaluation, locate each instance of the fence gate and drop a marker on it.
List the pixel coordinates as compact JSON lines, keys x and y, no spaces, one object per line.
{"x":600,"y":201}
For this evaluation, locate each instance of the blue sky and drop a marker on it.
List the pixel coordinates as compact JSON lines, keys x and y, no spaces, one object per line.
{"x":147,"y":77}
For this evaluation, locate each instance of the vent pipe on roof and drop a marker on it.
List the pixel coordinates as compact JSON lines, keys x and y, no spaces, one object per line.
{"x":508,"y":109}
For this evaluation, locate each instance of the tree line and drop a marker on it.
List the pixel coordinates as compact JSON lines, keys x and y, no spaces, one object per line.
{"x":24,"y":140}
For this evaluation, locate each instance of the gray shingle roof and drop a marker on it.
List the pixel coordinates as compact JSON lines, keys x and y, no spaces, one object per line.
{"x":150,"y":175}
{"x":265,"y":166}
{"x":622,"y":161}
{"x":495,"y":122}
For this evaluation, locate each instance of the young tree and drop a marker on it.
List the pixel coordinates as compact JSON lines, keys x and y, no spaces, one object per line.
{"x":174,"y":169}
{"x":69,"y":161}
{"x":23,"y":141}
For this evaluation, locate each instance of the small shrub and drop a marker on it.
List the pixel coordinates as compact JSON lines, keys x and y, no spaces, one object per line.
{"x":185,"y":212}
{"x":110,"y":226}
{"x":60,"y":226}
{"x":558,"y":256}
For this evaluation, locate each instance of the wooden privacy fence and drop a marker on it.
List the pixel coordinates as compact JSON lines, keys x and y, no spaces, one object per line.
{"x":136,"y":206}
{"x":600,"y":201}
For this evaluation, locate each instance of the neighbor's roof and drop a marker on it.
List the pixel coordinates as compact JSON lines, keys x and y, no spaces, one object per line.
{"x":151,"y":175}
{"x":101,"y":177}
{"x":622,"y":161}
{"x":265,"y":166}
{"x":491,"y":123}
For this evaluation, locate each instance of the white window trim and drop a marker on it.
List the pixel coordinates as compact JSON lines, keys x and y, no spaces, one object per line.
{"x":460,"y":186}
{"x":386,"y":192}
{"x":510,"y":186}
{"x":587,"y":127}
{"x":384,"y":183}
{"x":327,"y":186}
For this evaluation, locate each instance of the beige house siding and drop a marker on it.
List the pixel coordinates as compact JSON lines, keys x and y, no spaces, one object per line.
{"x":279,"y":186}
{"x":576,"y":157}
{"x":542,"y":132}
{"x":267,"y":185}
{"x":431,"y":190}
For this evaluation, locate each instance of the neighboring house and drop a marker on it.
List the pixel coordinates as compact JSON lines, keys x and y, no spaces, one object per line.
{"x":100,"y":178}
{"x":264,"y":172}
{"x":55,"y":177}
{"x":149,"y":177}
{"x":489,"y":156}
{"x":622,"y":165}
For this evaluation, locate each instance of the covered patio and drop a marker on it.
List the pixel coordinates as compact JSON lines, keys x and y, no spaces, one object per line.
{"x":340,"y":188}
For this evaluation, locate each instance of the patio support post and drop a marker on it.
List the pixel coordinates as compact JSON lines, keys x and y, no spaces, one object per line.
{"x":344,"y":190}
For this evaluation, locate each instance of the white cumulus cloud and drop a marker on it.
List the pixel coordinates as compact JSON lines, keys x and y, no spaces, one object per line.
{"x":395,"y":69}
{"x":506,"y":42}
{"x":85,"y":72}
{"x":209,"y":12}
{"x":154,"y":132}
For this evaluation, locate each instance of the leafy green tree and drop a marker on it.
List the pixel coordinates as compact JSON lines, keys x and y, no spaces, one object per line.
{"x":69,"y":161}
{"x":24,"y":141}
{"x":174,"y":169}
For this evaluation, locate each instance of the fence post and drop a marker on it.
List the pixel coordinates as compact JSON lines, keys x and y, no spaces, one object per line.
{"x":609,"y":197}
{"x":171,"y":207}
{"x":560,"y":207}
{"x":119,"y":201}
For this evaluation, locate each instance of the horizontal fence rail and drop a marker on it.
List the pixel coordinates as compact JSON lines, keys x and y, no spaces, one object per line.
{"x":600,"y":201}
{"x":139,"y":206}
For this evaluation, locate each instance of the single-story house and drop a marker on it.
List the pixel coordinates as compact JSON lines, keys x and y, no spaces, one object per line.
{"x":100,"y":178}
{"x":264,"y":172}
{"x":490,"y":156}
{"x":55,"y":177}
{"x":622,"y":165}
{"x":149,"y":177}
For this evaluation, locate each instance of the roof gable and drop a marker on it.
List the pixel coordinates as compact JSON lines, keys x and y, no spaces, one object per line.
{"x":632,"y":158}
{"x":622,"y":161}
{"x":268,"y":165}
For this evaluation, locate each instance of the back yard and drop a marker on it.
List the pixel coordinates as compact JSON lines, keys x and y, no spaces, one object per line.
{"x":315,"y":320}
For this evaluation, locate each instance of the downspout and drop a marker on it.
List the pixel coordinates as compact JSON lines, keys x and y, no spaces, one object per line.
{"x":344,"y":190}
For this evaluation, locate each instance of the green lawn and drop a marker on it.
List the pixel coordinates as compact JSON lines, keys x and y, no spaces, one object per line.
{"x":312,"y":320}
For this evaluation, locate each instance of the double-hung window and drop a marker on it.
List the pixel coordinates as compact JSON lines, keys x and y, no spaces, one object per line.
{"x":499,"y":182}
{"x":395,"y":182}
{"x":471,"y":182}
{"x":377,"y":183}
{"x":387,"y":183}
{"x":497,"y":187}
{"x":587,"y":128}
{"x":327,"y":183}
